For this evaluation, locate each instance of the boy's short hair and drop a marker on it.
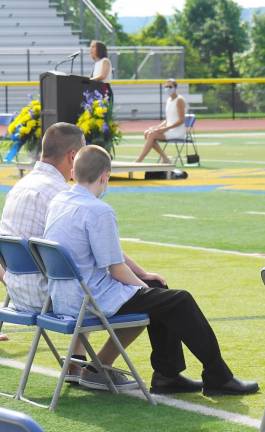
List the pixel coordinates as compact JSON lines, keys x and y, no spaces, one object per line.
{"x":90,"y":162}
{"x":59,"y":139}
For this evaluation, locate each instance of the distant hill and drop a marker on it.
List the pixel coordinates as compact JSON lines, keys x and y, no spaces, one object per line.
{"x":135,"y":24}
{"x":247,"y":14}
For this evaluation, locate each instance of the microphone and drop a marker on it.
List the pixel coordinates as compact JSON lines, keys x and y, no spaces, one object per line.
{"x":74,"y":55}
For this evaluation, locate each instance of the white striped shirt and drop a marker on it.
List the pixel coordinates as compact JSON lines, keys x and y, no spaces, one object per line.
{"x":24,"y":215}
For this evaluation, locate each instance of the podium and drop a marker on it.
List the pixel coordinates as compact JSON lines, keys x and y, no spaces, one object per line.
{"x":61,"y":96}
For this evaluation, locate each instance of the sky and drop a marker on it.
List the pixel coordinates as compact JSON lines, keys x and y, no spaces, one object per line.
{"x":164,"y":7}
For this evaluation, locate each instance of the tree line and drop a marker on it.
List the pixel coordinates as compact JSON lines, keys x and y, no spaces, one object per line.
{"x":217,"y":44}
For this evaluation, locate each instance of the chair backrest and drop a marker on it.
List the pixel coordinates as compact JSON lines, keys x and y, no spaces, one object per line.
{"x":263,"y":275}
{"x":14,"y":421}
{"x":189,"y":120}
{"x":15,"y":255}
{"x":53,"y":260}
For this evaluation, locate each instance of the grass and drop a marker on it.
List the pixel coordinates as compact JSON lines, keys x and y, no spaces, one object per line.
{"x":227,"y":287}
{"x":216,"y":150}
{"x":93,"y":412}
{"x":220,"y":219}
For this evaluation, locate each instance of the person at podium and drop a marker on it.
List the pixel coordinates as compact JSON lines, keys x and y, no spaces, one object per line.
{"x":102,"y":70}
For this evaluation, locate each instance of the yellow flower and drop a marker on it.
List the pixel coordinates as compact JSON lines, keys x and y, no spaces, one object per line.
{"x":99,"y":111}
{"x":23,"y":131}
{"x":38,"y":132}
{"x":99,"y":123}
{"x":31,"y":124}
{"x":11,"y":128}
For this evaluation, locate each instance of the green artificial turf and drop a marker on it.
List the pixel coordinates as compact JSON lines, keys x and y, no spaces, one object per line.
{"x":85,"y":411}
{"x":220,"y":218}
{"x":227,"y":287}
{"x":216,"y":150}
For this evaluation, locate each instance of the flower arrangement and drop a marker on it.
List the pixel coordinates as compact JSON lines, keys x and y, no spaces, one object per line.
{"x":96,"y":121}
{"x":25,"y":129}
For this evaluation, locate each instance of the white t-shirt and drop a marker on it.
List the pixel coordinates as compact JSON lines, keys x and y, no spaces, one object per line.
{"x":98,"y":68}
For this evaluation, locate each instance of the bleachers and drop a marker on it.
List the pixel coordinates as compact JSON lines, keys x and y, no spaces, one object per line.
{"x":33,"y":33}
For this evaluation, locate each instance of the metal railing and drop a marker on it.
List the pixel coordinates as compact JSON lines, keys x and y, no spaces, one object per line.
{"x":139,"y":99}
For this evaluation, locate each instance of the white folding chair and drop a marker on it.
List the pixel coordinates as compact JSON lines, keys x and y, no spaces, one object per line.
{"x":56,"y":264}
{"x":186,"y":144}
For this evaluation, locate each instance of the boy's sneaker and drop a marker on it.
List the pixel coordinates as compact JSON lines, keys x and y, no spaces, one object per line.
{"x":73,"y":374}
{"x":91,"y":378}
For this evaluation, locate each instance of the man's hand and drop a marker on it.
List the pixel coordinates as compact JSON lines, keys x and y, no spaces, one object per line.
{"x":153,"y":276}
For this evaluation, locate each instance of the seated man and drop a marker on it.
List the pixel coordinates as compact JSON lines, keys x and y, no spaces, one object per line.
{"x":172,"y":127}
{"x":86,"y":226}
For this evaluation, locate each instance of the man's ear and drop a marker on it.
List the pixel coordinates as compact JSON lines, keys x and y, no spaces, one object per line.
{"x":105,"y":176}
{"x":71,"y":155}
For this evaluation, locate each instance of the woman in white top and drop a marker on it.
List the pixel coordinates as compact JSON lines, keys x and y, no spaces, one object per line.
{"x":102,"y":68}
{"x":172,"y":127}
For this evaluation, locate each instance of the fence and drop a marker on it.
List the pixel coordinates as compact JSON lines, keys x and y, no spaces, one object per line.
{"x":138,"y":62}
{"x":144,"y":99}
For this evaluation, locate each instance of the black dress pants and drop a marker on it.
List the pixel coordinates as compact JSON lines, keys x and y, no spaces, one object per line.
{"x":175,"y":317}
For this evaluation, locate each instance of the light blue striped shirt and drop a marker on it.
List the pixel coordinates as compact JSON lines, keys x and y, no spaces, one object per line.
{"x":87,"y":227}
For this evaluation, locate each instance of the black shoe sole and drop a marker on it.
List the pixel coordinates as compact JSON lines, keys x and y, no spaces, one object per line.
{"x":170,"y":390}
{"x":228,"y":392}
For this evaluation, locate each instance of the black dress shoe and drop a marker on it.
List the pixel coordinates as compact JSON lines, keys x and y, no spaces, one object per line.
{"x":179,"y":384}
{"x":232,"y":387}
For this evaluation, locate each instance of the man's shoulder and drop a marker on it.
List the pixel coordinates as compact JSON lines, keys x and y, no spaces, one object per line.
{"x":37,"y":181}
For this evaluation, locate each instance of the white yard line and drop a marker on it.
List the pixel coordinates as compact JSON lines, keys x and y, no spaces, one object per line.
{"x":164,"y":400}
{"x":125,"y":144}
{"x":235,"y":161}
{"x":230,"y":134}
{"x":255,"y":213}
{"x":210,"y":135}
{"x":178,"y":216}
{"x":199,"y":248}
{"x":201,"y":409}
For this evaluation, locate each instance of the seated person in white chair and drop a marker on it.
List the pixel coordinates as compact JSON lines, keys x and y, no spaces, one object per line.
{"x":171,"y":128}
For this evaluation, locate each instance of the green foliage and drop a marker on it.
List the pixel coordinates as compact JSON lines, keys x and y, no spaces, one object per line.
{"x":253,"y":64}
{"x":76,"y":14}
{"x":157,"y":29}
{"x":215,"y":29}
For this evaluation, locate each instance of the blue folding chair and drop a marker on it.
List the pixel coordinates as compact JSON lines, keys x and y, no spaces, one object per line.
{"x":56,"y":264}
{"x":17,"y":259}
{"x":184,"y":144}
{"x":14,"y":421}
